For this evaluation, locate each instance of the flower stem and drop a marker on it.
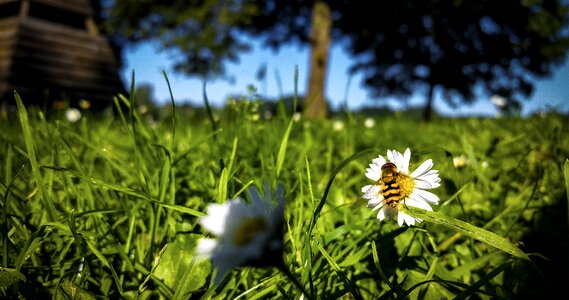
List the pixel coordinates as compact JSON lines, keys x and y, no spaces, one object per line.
{"x":294,"y":280}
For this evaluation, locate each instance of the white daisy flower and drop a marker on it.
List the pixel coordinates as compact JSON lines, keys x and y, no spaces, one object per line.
{"x":394,"y":187}
{"x":461,"y":161}
{"x":338,"y":125}
{"x":296,"y":116}
{"x":72,"y":114}
{"x":369,"y":123}
{"x":247,"y":233}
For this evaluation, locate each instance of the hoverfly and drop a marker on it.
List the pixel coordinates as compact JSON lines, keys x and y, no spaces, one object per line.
{"x":393,"y":186}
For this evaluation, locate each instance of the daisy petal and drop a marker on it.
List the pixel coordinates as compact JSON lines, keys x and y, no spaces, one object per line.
{"x":379,"y":161}
{"x":366,"y":188}
{"x":405,"y":161}
{"x":423,"y":168}
{"x":405,"y":218}
{"x":391,"y":155}
{"x":372,"y":174}
{"x":214,"y":221}
{"x":426,"y":184}
{"x":255,"y":197}
{"x":381,"y":214}
{"x":375,"y":203}
{"x":226,"y":260}
{"x":205,"y":247}
{"x":418,"y":203}
{"x":375,"y":168}
{"x":400,"y":219}
{"x":372,"y":192}
{"x":423,"y":195}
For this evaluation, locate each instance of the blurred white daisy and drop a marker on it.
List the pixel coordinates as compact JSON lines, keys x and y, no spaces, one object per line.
{"x":499,"y":101}
{"x":394,"y":187}
{"x":247,"y":233}
{"x":296,"y":116}
{"x":369,"y":123}
{"x":338,"y":125}
{"x":72,"y":114}
{"x":460,"y":161}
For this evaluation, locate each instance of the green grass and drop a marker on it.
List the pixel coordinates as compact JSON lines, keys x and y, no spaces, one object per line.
{"x":108,"y":206}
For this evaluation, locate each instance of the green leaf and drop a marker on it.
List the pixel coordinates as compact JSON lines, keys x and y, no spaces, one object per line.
{"x":282,"y":148}
{"x":72,"y":291}
{"x":178,"y":270}
{"x":472,"y":231}
{"x":10,"y":276}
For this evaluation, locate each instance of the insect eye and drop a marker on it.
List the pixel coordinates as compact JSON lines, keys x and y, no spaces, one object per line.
{"x":388,"y":165}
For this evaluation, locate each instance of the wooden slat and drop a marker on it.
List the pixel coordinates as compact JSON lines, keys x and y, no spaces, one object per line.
{"x":70,"y":77}
{"x":63,"y":84}
{"x":94,"y":54}
{"x":77,"y":47}
{"x":34,"y":95}
{"x":62,"y":60}
{"x":53,"y":31}
{"x":9,"y":23}
{"x":36,"y":55}
{"x":82,"y":7}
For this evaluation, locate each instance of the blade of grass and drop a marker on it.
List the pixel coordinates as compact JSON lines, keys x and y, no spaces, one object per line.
{"x":484,"y":280}
{"x":340,"y":272}
{"x":212,"y":120}
{"x":222,"y":187}
{"x":335,"y":172}
{"x":566,"y":174}
{"x":128,"y":191}
{"x":282,"y":149}
{"x":428,"y":277}
{"x":308,"y":244}
{"x":105,"y":263}
{"x":394,"y":288}
{"x":472,"y":231}
{"x":271,"y":281}
{"x":29,"y":141}
{"x":5,"y":219}
{"x":295,"y":98}
{"x":232,"y":157}
{"x":173,"y":110}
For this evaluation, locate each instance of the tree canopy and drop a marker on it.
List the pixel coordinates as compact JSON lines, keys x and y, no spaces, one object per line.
{"x":455,"y":45}
{"x":398,"y":46}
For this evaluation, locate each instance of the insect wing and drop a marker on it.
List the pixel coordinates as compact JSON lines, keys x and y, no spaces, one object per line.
{"x":371,"y":192}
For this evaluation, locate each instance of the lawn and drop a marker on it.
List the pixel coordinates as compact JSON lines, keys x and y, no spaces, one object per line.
{"x":109,"y":206}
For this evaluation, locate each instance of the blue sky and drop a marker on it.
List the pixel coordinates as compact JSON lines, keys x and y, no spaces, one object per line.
{"x":148,"y":61}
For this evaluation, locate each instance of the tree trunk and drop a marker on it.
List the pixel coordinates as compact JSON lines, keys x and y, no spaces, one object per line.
{"x":428,"y":110}
{"x":314,"y":104}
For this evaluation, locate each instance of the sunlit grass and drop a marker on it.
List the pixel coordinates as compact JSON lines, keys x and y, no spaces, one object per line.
{"x":108,"y":206}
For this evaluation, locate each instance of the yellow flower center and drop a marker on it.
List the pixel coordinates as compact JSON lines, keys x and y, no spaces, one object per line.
{"x":406,"y":184}
{"x":248,"y":229}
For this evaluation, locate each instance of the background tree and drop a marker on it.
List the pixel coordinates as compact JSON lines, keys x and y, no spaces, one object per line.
{"x":400,"y":47}
{"x":455,"y":46}
{"x":210,"y":33}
